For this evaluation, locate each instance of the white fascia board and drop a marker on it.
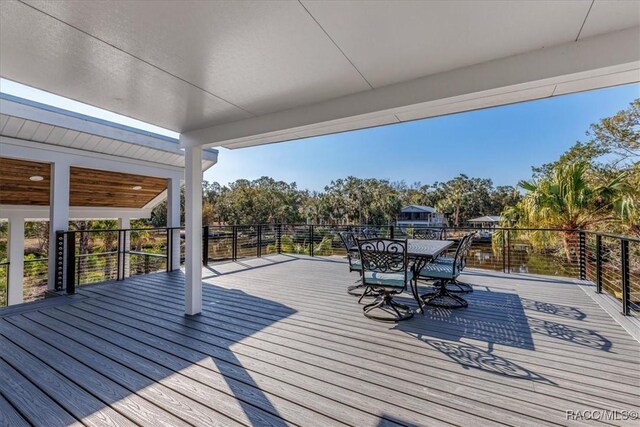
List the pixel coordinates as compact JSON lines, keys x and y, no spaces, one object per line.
{"x":49,"y":153}
{"x":599,"y":61}
{"x":29,"y":110}
{"x":210,"y":155}
{"x":35,"y":213}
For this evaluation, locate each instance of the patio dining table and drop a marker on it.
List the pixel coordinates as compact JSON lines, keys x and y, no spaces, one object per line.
{"x":423,"y":252}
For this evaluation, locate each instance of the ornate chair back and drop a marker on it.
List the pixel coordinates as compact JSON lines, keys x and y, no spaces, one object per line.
{"x":370,"y":233}
{"x":349,"y":240}
{"x":351,"y":245}
{"x":468,"y":241}
{"x":427,"y":233}
{"x":384,"y":256}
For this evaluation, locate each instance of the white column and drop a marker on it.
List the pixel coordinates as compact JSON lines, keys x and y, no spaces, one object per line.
{"x":16,"y":260}
{"x":193,"y":230}
{"x":58,"y":212}
{"x":173,"y":219}
{"x":125,"y":246}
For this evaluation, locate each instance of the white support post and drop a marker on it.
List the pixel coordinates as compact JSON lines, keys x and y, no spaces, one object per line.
{"x":125,"y":245}
{"x":58,"y":212}
{"x":16,"y":260}
{"x":173,"y":219}
{"x":193,"y":230}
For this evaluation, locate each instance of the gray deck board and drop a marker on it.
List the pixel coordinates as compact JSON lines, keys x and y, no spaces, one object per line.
{"x":36,"y":406}
{"x":281,"y":343}
{"x":9,"y":416}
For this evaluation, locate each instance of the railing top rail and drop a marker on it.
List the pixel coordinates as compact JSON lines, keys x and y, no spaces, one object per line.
{"x":121,"y":229}
{"x":566,"y":230}
{"x":614,"y":236}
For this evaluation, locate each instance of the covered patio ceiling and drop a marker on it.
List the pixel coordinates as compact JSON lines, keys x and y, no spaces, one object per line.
{"x":88,"y":187}
{"x":237,"y":74}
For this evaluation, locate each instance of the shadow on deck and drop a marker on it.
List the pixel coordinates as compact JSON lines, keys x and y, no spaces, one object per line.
{"x":280,"y":342}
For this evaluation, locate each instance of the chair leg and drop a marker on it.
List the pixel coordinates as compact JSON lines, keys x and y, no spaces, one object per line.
{"x":386,"y":300}
{"x":352,"y":290}
{"x":368,"y":292}
{"x":443,"y":298}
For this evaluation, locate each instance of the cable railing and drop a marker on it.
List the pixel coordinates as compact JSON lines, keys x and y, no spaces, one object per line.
{"x":94,"y":256}
{"x":609,"y":261}
{"x":35,"y":278}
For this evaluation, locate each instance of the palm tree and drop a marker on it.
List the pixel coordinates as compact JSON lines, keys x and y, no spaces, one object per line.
{"x":628,"y":207}
{"x":569,"y":201}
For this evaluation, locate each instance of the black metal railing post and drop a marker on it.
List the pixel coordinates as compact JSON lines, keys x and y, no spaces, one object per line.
{"x":582,"y":255}
{"x":71,"y":262}
{"x":598,"y":263}
{"x":624,"y":246}
{"x":59,"y":272}
{"x":205,"y":245}
{"x":259,"y":242}
{"x":504,"y":251}
{"x":392,"y":232}
{"x":279,"y":238}
{"x":311,"y":240}
{"x":234,"y":243}
{"x":118,"y":260}
{"x":509,"y":251}
{"x":169,"y":250}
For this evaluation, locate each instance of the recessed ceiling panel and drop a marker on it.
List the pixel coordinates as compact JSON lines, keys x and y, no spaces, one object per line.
{"x":394,"y":41}
{"x":43,"y":52}
{"x":606,"y":16}
{"x":264,"y":56}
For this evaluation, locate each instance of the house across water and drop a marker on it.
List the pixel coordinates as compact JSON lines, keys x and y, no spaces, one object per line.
{"x":485,"y":224}
{"x":418,"y":215}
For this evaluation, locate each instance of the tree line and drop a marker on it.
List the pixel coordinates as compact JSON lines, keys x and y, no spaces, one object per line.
{"x":594,"y":185}
{"x":347,"y":201}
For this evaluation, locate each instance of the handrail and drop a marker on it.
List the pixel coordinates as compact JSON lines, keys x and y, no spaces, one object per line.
{"x":97,"y":230}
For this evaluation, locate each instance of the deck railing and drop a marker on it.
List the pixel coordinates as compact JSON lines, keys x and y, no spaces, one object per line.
{"x":611,"y":262}
{"x":93,"y":256}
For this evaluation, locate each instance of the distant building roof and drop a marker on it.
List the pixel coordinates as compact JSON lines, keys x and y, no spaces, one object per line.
{"x":486,"y":218}
{"x":418,"y":208}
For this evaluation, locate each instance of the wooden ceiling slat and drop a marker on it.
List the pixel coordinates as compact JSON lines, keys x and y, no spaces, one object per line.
{"x":89,"y":187}
{"x":15,"y":186}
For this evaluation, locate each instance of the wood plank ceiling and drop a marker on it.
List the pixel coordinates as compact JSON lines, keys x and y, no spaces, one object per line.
{"x":89,"y":187}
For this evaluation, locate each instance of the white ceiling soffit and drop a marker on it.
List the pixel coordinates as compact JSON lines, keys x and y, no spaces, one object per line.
{"x":31,"y":121}
{"x":195,"y":65}
{"x":599,"y":61}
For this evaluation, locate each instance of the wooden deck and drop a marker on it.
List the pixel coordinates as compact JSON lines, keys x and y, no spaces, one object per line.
{"x":281,"y":343}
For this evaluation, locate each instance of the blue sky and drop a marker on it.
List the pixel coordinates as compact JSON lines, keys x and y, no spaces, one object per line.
{"x":500,"y":143}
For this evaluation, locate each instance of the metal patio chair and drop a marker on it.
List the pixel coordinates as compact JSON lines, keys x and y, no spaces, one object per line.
{"x":443,"y":273}
{"x":454,"y":285}
{"x":385,"y":272}
{"x":427,"y":233}
{"x":353,"y":256}
{"x":370,"y":233}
